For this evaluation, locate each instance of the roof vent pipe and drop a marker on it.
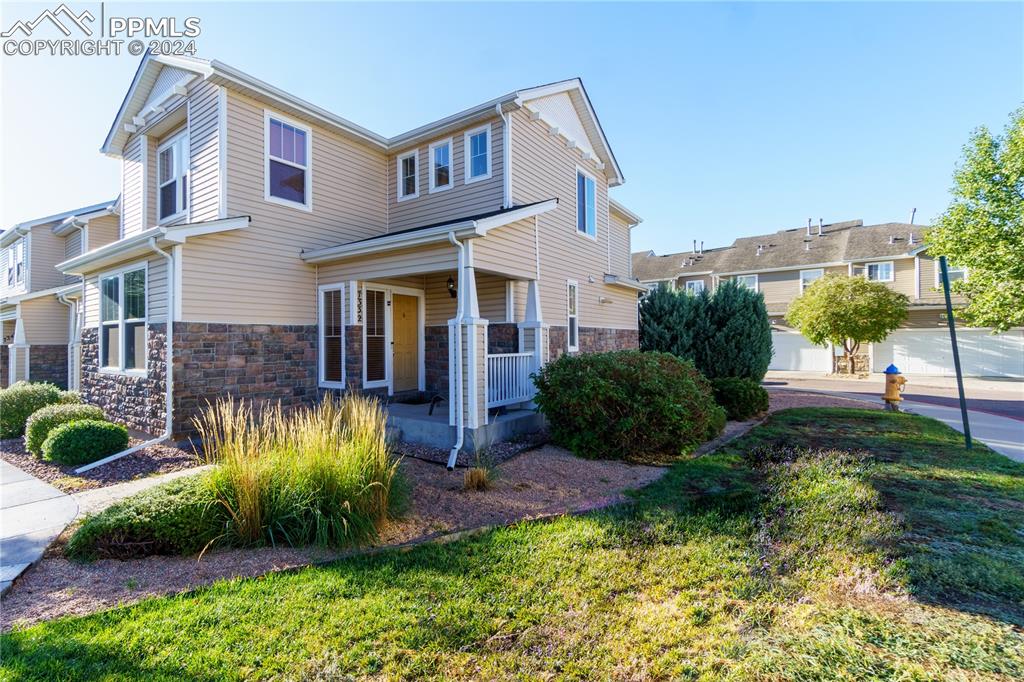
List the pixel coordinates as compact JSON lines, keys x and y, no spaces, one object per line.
{"x":694,"y":250}
{"x":819,"y":226}
{"x":807,"y":246}
{"x":911,"y":240}
{"x":808,"y":227}
{"x":913,"y":212}
{"x":892,"y":239}
{"x":702,"y":246}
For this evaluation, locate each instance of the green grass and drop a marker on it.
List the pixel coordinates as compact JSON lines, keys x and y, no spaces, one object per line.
{"x":900,"y":557}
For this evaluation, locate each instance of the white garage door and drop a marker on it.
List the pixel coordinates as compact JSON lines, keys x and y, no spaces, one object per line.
{"x":928,"y":351}
{"x":794,"y":353}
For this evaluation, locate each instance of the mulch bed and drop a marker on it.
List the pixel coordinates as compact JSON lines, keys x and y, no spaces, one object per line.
{"x":156,"y":459}
{"x":495,"y":454}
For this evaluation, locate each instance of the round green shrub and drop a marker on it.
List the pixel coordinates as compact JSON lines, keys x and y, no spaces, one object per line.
{"x":741,"y":398}
{"x":627,"y":405}
{"x":181,"y":516}
{"x":44,"y":420}
{"x":19,"y":401}
{"x":85,"y":441}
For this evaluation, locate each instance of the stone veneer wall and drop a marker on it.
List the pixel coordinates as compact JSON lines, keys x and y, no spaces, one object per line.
{"x":5,"y":373}
{"x":503,"y":337}
{"x":435,"y":359}
{"x":354,"y":355}
{"x":258,"y":362}
{"x":593,"y":340}
{"x":135,"y":401}
{"x":48,"y":363}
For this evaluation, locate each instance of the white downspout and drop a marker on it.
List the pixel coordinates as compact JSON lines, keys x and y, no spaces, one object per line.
{"x":459,"y":407}
{"x":168,"y":372}
{"x":72,"y":315}
{"x":506,"y":156}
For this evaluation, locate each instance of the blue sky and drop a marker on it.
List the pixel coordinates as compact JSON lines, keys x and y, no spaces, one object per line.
{"x":727,"y":119}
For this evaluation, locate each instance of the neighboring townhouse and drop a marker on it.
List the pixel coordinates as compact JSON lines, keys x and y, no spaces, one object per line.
{"x":782,"y":264}
{"x":39,"y":310}
{"x":294,"y":252}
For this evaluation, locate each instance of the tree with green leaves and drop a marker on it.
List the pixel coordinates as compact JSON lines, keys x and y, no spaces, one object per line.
{"x":666,"y":320}
{"x":983,"y":228}
{"x":847,"y":311}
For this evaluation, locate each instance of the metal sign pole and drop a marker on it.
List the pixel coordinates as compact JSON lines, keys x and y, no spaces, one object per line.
{"x":956,"y":351}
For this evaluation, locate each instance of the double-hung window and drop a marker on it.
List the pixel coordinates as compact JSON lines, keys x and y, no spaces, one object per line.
{"x":408,"y":175}
{"x":573,"y":307}
{"x":694,"y":286}
{"x":172,"y":177}
{"x":332,"y":342}
{"x":955,"y":274}
{"x":748,"y":281}
{"x":477,"y":150}
{"x":16,"y":263}
{"x":880,"y":272}
{"x":441,"y":165}
{"x":123,"y":320}
{"x":586,"y":204}
{"x":807,"y":277}
{"x":287,"y":172}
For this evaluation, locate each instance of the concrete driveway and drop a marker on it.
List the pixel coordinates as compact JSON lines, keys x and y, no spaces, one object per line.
{"x":1000,"y":397}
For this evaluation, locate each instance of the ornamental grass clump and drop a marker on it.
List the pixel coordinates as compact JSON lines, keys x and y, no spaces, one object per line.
{"x":321,"y":475}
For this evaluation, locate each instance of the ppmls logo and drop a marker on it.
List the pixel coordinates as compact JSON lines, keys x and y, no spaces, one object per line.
{"x":79,"y":20}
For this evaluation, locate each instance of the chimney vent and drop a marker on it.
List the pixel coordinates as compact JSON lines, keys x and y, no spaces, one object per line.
{"x":701,"y":246}
{"x":892,"y":239}
{"x":808,"y":227}
{"x":819,"y":226}
{"x":694,"y":246}
{"x":911,"y":240}
{"x":913,"y":212}
{"x":807,"y":246}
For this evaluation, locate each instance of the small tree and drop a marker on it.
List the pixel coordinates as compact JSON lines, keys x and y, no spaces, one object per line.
{"x":666,"y":319}
{"x":847,"y":311}
{"x":983,"y":229}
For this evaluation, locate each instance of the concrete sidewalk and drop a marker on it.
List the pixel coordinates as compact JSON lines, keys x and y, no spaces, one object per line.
{"x":32,"y":515}
{"x":1003,"y":434}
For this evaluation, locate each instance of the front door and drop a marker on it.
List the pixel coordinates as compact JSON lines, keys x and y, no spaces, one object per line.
{"x":405,"y":332}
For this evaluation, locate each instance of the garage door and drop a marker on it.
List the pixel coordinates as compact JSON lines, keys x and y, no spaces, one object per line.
{"x":928,"y":351}
{"x":794,"y":353}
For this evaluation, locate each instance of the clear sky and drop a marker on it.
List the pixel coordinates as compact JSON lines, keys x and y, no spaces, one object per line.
{"x":727,"y":119}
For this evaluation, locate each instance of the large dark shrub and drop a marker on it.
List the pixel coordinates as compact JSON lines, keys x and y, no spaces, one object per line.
{"x":181,"y":516}
{"x":741,"y":398}
{"x":627,"y":405}
{"x":45,"y":420}
{"x":81,"y":442}
{"x":725,"y":334}
{"x":20,"y":400}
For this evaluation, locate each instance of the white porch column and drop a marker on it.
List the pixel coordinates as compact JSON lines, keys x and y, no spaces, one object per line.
{"x":533,"y":331}
{"x":17,"y":356}
{"x":473,"y":334}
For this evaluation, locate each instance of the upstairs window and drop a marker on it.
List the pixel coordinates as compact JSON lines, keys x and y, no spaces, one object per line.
{"x":477,"y":149}
{"x":695,"y":286}
{"x":807,"y":277}
{"x":441,"y":166}
{"x":586,"y":205}
{"x":408,"y":175}
{"x":16,"y":264}
{"x":573,"y":307}
{"x":288,"y":161}
{"x":123,"y":321}
{"x":172,"y":177}
{"x":880,"y":272}
{"x":955,"y":274}
{"x":748,"y":281}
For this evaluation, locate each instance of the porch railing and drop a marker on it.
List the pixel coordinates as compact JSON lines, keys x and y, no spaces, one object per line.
{"x":508,"y":378}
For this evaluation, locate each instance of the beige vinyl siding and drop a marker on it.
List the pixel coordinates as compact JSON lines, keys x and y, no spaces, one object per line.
{"x":459,"y":201}
{"x":619,"y":259}
{"x":44,"y":252}
{"x":509,"y":250}
{"x":926,"y":319}
{"x":132,"y":179}
{"x":45,"y":321}
{"x":204,"y":151}
{"x":931,"y":289}
{"x":904,"y":275}
{"x":681,"y":282}
{"x":72,"y":248}
{"x":544,"y":167}
{"x":779,"y":288}
{"x":410,"y":261}
{"x":102,"y":231}
{"x":156,"y":290}
{"x":256,"y":272}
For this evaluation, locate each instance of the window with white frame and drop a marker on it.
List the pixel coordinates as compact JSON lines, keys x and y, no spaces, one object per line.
{"x":694,"y":286}
{"x":288,"y":151}
{"x":375,"y":337}
{"x":172,"y":177}
{"x":441,"y":165}
{"x":809,"y":276}
{"x":880,"y":272}
{"x":586,"y":204}
{"x":955,"y":273}
{"x":573,"y":307}
{"x":123,"y":320}
{"x":408,"y":175}
{"x":332,"y":333}
{"x":748,"y":281}
{"x":477,"y":150}
{"x":16,"y":263}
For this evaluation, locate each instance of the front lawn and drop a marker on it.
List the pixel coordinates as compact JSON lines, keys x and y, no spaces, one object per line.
{"x":900,"y":557}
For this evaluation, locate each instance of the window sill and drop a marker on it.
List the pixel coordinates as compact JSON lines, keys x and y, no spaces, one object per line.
{"x":591,"y":237}
{"x":333,"y":384}
{"x":479,"y":178}
{"x":407,"y":197}
{"x":171,"y":218}
{"x":441,"y":188}
{"x":140,"y":373}
{"x":289,"y":203}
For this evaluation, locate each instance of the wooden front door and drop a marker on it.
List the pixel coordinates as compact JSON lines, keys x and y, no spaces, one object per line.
{"x":405,"y":332}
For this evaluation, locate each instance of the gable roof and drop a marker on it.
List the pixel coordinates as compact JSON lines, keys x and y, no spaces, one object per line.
{"x":160,"y":78}
{"x":649,"y":267}
{"x":11,"y":233}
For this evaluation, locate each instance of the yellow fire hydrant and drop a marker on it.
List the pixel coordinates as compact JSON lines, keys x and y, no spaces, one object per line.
{"x":895,"y":383}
